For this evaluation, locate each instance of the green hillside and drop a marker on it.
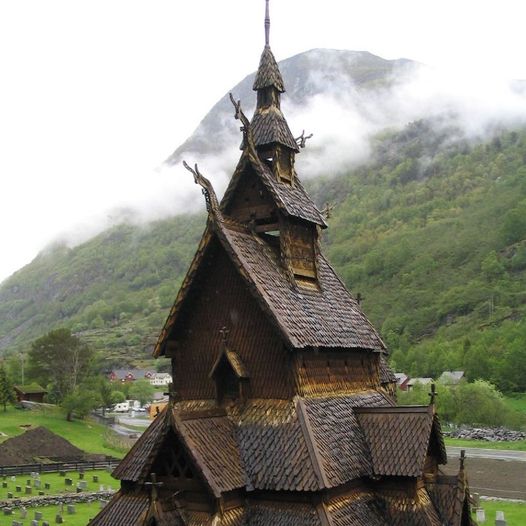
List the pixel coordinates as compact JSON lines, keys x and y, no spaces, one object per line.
{"x":431,"y":233}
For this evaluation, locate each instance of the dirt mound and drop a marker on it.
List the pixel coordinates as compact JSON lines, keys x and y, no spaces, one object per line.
{"x":36,"y":445}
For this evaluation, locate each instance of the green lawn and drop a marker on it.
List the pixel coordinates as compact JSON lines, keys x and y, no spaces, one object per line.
{"x":518,"y":445}
{"x":517,"y":401}
{"x":85,"y":434}
{"x":83,"y":513}
{"x":514,"y":513}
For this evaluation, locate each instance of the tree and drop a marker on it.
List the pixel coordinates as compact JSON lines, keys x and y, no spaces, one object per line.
{"x":80,"y":402}
{"x":7,"y":395}
{"x":61,"y":360}
{"x":107,"y":394}
{"x":142,"y":390}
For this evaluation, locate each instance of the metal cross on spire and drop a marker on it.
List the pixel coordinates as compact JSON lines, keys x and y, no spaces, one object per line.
{"x":267,"y":23}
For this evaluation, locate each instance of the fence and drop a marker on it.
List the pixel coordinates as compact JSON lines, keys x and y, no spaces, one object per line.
{"x":56,"y":467}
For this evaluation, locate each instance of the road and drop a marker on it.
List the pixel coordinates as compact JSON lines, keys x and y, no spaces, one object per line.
{"x":495,"y":454}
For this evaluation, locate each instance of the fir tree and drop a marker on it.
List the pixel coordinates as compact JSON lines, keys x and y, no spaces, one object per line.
{"x":6,"y":389}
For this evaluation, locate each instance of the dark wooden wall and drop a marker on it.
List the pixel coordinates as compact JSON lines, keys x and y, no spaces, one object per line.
{"x":219,"y":297}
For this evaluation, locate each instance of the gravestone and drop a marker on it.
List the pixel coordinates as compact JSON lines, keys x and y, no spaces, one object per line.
{"x":8,"y":511}
{"x":18,"y":489}
{"x":47,"y":485}
{"x":83,"y":484}
{"x":37,"y":483}
{"x":71,"y":509}
{"x":34,"y":474}
{"x":79,"y":489}
{"x":38,"y":515}
{"x":28,"y":482}
{"x":102,"y":503}
{"x":9,"y":495}
{"x":69,"y":482}
{"x":81,"y":474}
{"x":16,"y":523}
{"x":45,"y":523}
{"x":95,"y":478}
{"x":499,"y":519}
{"x":23,"y":513}
{"x":13,"y":478}
{"x":4,"y":484}
{"x":34,"y":523}
{"x":62,"y":473}
{"x":41,"y":493}
{"x":59,"y":519}
{"x":29,"y":490}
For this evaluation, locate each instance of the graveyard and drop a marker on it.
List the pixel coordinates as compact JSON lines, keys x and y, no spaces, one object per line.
{"x":54,"y":498}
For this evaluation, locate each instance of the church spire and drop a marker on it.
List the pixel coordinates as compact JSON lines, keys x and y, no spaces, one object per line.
{"x":267,"y":24}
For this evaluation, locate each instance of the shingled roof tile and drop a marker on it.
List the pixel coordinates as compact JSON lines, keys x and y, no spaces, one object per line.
{"x":124,"y":509}
{"x":268,"y":73}
{"x":269,"y":126}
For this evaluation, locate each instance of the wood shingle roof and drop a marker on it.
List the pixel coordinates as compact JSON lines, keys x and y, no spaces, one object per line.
{"x":268,"y":73}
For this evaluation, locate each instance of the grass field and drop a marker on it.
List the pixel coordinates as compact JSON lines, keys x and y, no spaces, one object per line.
{"x":85,"y":434}
{"x":517,"y":401}
{"x":519,"y":445}
{"x":514,"y":513}
{"x":83,"y":513}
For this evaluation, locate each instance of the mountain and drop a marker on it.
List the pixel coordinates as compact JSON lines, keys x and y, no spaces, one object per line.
{"x":429,"y":229}
{"x":307,"y":75}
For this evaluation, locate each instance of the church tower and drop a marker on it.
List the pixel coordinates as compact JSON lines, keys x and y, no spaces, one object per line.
{"x":282,"y":409}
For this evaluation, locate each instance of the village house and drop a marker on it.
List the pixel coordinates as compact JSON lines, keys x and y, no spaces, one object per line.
{"x":282,"y":410}
{"x":30,"y":393}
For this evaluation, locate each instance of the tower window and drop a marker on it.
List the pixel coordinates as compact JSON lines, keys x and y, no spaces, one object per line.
{"x":230,"y":376}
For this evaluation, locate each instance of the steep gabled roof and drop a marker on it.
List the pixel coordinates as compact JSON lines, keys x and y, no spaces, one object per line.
{"x":398,"y":438}
{"x":124,"y":509}
{"x":136,"y":465}
{"x":329,"y":317}
{"x":290,"y":199}
{"x":269,"y":126}
{"x":268,"y":73}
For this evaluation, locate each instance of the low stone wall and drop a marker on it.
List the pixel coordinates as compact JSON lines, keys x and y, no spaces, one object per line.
{"x":49,"y":500}
{"x":498,"y":434}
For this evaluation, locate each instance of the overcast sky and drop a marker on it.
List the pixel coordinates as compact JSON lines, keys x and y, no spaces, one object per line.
{"x":94,"y":95}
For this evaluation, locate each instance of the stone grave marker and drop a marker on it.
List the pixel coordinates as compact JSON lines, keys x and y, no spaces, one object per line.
{"x":59,"y":519}
{"x":35,"y":474}
{"x":41,"y":493}
{"x":23,"y":513}
{"x":102,"y":487}
{"x":500,"y":520}
{"x":37,"y":483}
{"x":4,"y":484}
{"x":69,"y":482}
{"x":16,"y":523}
{"x":29,"y":490}
{"x":13,"y":478}
{"x":28,"y":482}
{"x":18,"y":489}
{"x":71,"y":509}
{"x":95,"y":478}
{"x":47,"y":485}
{"x":34,"y":523}
{"x":8,"y":511}
{"x":78,"y":489}
{"x":81,"y":475}
{"x":83,"y":484}
{"x":62,"y":473}
{"x":45,"y":523}
{"x":9,"y":495}
{"x":102,"y":503}
{"x":38,"y":515}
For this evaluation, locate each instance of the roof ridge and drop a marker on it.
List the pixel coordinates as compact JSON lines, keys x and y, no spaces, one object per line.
{"x":312,"y":447}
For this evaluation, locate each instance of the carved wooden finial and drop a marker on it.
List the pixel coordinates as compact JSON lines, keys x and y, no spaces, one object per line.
{"x":462,"y":459}
{"x":267,"y":23}
{"x":212,"y":204}
{"x":326,"y":212}
{"x":301,"y":141}
{"x":359,"y":298}
{"x":154,"y":485}
{"x":224,"y":334}
{"x":433,"y":394}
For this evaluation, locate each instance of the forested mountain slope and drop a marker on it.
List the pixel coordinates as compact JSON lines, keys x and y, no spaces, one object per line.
{"x":431,"y":233}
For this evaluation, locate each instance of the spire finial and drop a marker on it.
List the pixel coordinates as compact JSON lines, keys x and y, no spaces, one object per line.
{"x":267,"y":23}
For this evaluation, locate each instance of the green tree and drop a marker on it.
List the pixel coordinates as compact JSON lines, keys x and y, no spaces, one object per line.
{"x":7,"y":395}
{"x":80,"y":402}
{"x":107,"y":394}
{"x":61,"y":361}
{"x":141,"y":390}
